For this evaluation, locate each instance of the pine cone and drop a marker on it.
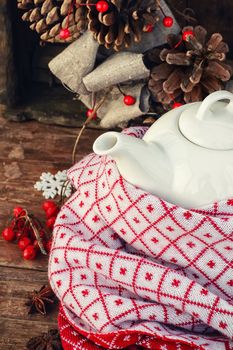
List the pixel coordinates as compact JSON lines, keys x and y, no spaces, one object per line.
{"x":124,"y":21}
{"x":191,"y":69}
{"x":48,"y":17}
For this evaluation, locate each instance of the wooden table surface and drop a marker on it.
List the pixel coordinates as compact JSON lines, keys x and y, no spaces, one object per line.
{"x":27,"y":150}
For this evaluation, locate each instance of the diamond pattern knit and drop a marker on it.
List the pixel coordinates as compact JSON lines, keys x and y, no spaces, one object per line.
{"x":132,"y":269}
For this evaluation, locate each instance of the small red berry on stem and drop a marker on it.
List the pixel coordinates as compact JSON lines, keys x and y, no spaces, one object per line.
{"x":24,"y":242}
{"x":50,"y":222}
{"x":52,"y":211}
{"x":168,"y":21}
{"x":20,"y":223}
{"x":129,"y":100}
{"x":90,"y":114}
{"x":48,"y":204}
{"x":187,"y":35}
{"x":8,"y":234}
{"x":26,"y":231}
{"x":176,"y":105}
{"x":29,"y":253}
{"x":102,"y":6}
{"x":18,"y":211}
{"x":149,"y":28}
{"x":18,"y":235}
{"x":64,"y":33}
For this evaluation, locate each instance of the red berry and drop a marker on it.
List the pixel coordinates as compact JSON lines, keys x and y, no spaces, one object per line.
{"x":168,"y":21}
{"x":21,"y":234}
{"x":102,"y":6}
{"x":42,"y":234}
{"x":90,"y":112}
{"x":149,"y":28}
{"x":49,"y":245}
{"x":23,"y":243}
{"x":53,"y":211}
{"x":18,"y":211}
{"x":18,"y":235}
{"x":20,"y":224}
{"x":8,"y":234}
{"x":50,"y":222}
{"x":48,"y":204}
{"x":176,"y":105}
{"x":29,"y":253}
{"x":129,"y":100}
{"x":187,"y":34}
{"x":64,"y":33}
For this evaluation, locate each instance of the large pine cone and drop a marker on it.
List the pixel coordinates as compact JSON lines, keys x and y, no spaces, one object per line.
{"x":191,"y":69}
{"x":48,"y":17}
{"x":124,"y":21}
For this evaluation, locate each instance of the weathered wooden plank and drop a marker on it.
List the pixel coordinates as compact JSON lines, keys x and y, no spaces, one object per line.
{"x":16,"y":285}
{"x":15,"y":333}
{"x":15,"y":324}
{"x":56,"y":146}
{"x":12,"y":195}
{"x":11,"y":256}
{"x":30,"y":142}
{"x":28,"y":172}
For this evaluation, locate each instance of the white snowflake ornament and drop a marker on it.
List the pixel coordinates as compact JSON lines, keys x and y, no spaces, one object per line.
{"x":52,"y":185}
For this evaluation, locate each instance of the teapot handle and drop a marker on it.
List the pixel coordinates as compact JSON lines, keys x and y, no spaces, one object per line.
{"x":204,"y":109}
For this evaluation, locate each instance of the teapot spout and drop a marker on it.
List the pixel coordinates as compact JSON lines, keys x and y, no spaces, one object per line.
{"x":141,"y":163}
{"x":121,"y":147}
{"x":110,"y":143}
{"x":127,"y":152}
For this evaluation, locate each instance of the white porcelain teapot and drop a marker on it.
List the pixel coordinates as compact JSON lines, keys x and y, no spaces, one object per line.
{"x":185,"y":158}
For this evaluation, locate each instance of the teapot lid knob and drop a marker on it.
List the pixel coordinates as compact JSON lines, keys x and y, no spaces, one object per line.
{"x":210,"y":124}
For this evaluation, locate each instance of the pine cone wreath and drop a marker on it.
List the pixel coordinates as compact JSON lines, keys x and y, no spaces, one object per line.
{"x":124,"y":21}
{"x":48,"y":17}
{"x":191,"y":69}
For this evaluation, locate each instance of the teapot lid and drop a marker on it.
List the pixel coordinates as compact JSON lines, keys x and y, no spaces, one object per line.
{"x":209,"y":124}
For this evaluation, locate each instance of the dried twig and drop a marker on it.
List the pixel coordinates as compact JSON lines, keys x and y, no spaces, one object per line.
{"x":95,"y":109}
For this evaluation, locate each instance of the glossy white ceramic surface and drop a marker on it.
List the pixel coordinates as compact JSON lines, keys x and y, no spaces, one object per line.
{"x":171,"y":163}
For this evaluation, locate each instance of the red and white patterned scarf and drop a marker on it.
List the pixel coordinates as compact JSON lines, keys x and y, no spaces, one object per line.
{"x":132,"y":269}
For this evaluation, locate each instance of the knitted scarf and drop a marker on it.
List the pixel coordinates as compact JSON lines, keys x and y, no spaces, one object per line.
{"x":132,"y":270}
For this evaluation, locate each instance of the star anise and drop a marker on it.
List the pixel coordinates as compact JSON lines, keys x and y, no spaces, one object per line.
{"x":46,"y":341}
{"x":39,"y":301}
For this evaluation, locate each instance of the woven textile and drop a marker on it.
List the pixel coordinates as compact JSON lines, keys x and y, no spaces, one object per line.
{"x":132,"y":269}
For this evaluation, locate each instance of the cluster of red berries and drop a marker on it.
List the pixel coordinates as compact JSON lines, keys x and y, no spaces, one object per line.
{"x":51,"y":211}
{"x":29,"y":233}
